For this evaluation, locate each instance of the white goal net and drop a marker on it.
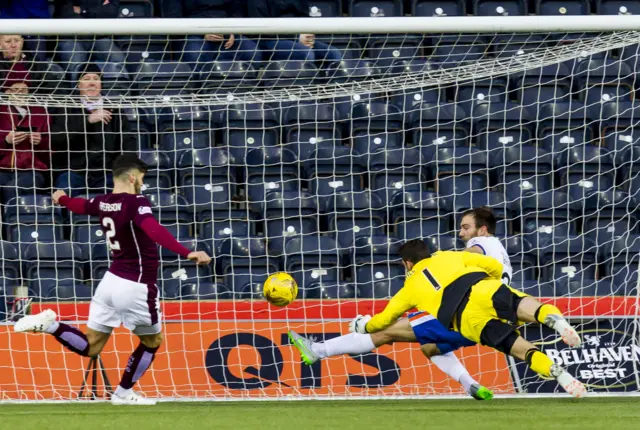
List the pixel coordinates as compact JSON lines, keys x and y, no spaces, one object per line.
{"x":281,"y":157}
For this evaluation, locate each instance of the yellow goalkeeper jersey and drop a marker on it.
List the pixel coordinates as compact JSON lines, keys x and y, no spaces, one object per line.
{"x":437,"y":285}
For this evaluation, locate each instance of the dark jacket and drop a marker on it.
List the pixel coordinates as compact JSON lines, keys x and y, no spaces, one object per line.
{"x":277,"y":9}
{"x":24,"y":155}
{"x":204,"y":9}
{"x":88,"y":9}
{"x":80,"y":145}
{"x":22,"y":9}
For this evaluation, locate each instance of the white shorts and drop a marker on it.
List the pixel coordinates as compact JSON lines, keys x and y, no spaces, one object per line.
{"x":120,"y":301}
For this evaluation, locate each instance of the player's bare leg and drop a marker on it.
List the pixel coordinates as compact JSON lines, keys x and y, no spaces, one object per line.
{"x":531,"y":310}
{"x":137,"y":365}
{"x":87,"y":345}
{"x":544,"y":366}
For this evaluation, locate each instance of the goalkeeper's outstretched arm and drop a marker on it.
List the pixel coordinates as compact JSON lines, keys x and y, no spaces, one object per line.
{"x":396,"y":308}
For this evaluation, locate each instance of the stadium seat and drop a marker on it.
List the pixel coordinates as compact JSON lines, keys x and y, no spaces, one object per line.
{"x":375,"y":259}
{"x":246,"y":256}
{"x":169,"y":208}
{"x":313,"y":260}
{"x":375,"y":8}
{"x":499,"y":7}
{"x":349,"y":70}
{"x":383,"y":289}
{"x":563,"y":125}
{"x":439,"y":125}
{"x":204,"y":291}
{"x":522,"y":262}
{"x":369,"y":143}
{"x":544,"y":85}
{"x":604,"y":79}
{"x":207,"y":180}
{"x":388,"y":49}
{"x":588,"y":166}
{"x":492,"y":199}
{"x":354,"y":214}
{"x":69,"y":291}
{"x":140,"y":49}
{"x":545,"y":215}
{"x":444,"y":242}
{"x":114,"y":78}
{"x":271,"y":169}
{"x":534,"y":288}
{"x":49,"y":263}
{"x":419,"y":214}
{"x":478,"y":92}
{"x":438,"y":8}
{"x":290,"y":73}
{"x":330,"y":292}
{"x":248,"y":126}
{"x":230,"y":224}
{"x":458,"y":161}
{"x":225,"y":76}
{"x":606,"y":214}
{"x":616,"y":121}
{"x":617,"y":7}
{"x":621,"y":260}
{"x":568,"y":257}
{"x":85,"y":236}
{"x":136,"y":9}
{"x":455,"y":50}
{"x":333,"y":170}
{"x":175,"y":270}
{"x":287,"y":214}
{"x":306,"y":125}
{"x":449,"y":186}
{"x":562,"y":7}
{"x":375,"y":117}
{"x":157,"y":178}
{"x":395,"y":170}
{"x":325,"y":8}
{"x":163,"y":78}
{"x":413,"y":101}
{"x":9,"y":263}
{"x":514,"y":166}
{"x":250,"y":290}
{"x":32,"y":218}
{"x":501,"y":125}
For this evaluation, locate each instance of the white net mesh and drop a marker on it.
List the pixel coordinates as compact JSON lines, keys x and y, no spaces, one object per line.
{"x":321,"y":168}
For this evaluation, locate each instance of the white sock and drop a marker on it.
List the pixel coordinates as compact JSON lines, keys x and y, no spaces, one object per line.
{"x":352,"y":343}
{"x":53,"y":327}
{"x":122,"y":392}
{"x":450,"y":365}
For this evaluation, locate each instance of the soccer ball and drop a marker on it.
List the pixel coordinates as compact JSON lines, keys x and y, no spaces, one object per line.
{"x":280,"y":289}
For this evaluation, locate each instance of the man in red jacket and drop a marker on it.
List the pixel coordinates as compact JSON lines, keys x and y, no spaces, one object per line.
{"x":24,"y":139}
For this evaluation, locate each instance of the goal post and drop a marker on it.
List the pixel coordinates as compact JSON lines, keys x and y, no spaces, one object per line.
{"x":321,"y":167}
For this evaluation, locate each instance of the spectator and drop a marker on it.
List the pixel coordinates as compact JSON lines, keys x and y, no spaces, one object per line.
{"x":80,"y":50}
{"x":13,"y":58}
{"x":87,"y":139}
{"x":198,"y":50}
{"x":294,"y":47}
{"x":28,"y":9}
{"x":24,"y":139}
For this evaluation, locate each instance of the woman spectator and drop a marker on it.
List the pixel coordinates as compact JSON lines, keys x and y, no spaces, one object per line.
{"x":24,"y":139}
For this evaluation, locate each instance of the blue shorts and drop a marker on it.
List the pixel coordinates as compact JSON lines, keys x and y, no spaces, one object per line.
{"x":429,"y":330}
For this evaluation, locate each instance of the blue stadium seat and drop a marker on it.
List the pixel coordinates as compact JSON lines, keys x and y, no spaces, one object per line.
{"x":458,"y":161}
{"x":514,"y":166}
{"x":395,"y":171}
{"x":380,"y":289}
{"x":157,"y":177}
{"x":136,"y":9}
{"x":575,"y":287}
{"x":621,"y":260}
{"x":50,"y":263}
{"x":349,"y":70}
{"x":313,"y":260}
{"x":287,"y":214}
{"x":9,"y":263}
{"x":98,"y":262}
{"x":563,"y":125}
{"x":308,"y":124}
{"x":178,"y":271}
{"x":375,"y":8}
{"x":115,"y":79}
{"x":604,"y":79}
{"x":85,"y":236}
{"x":245,"y":261}
{"x":289,"y":73}
{"x":438,"y":8}
{"x":271,"y":169}
{"x":570,"y":257}
{"x":324,"y":291}
{"x":501,"y":125}
{"x":545,"y":215}
{"x":387,"y":50}
{"x":207,"y":180}
{"x":419,"y":214}
{"x":627,"y":158}
{"x":606,"y":214}
{"x":368,"y":276}
{"x":562,"y":7}
{"x":204,"y":291}
{"x":588,"y":166}
{"x":187,"y":118}
{"x":223,"y":76}
{"x":444,"y":242}
{"x":175,"y":143}
{"x":248,"y":126}
{"x":410,"y":101}
{"x":375,"y":259}
{"x":412,"y":66}
{"x":479,"y":92}
{"x":169,"y":208}
{"x":143,"y":48}
{"x":32,"y":218}
{"x":543,"y":85}
{"x":163,"y":78}
{"x":354,"y":214}
{"x":333,"y":170}
{"x":232,"y":224}
{"x":492,"y":199}
{"x":455,"y":50}
{"x":250,"y":290}
{"x":69,"y":291}
{"x":499,"y":7}
{"x":141,"y":127}
{"x":375,"y":118}
{"x":369,"y":143}
{"x":439,"y":125}
{"x":522,"y":261}
{"x":325,"y":8}
{"x":450,"y":186}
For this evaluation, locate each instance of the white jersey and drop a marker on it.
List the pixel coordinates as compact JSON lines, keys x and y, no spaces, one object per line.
{"x":491,"y":246}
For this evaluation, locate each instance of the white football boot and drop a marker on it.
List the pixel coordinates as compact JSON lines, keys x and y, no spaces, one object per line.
{"x":570,"y":384}
{"x":304,"y":346}
{"x":37,"y":323}
{"x":569,"y":334}
{"x":132,"y":398}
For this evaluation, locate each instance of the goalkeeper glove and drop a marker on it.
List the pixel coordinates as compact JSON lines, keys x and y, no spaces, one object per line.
{"x":359,"y":324}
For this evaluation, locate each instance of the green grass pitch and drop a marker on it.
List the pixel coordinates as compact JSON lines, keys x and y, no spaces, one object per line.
{"x":512,"y":414}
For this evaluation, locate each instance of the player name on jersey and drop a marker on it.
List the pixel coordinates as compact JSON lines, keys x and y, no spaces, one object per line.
{"x":110,"y":207}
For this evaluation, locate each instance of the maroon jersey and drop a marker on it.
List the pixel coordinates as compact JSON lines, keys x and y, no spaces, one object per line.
{"x":135,"y":254}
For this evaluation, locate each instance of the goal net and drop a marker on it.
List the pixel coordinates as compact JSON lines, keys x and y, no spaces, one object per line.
{"x":278,"y":157}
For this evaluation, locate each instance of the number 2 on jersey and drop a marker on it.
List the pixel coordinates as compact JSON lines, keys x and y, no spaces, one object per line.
{"x":108,"y":224}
